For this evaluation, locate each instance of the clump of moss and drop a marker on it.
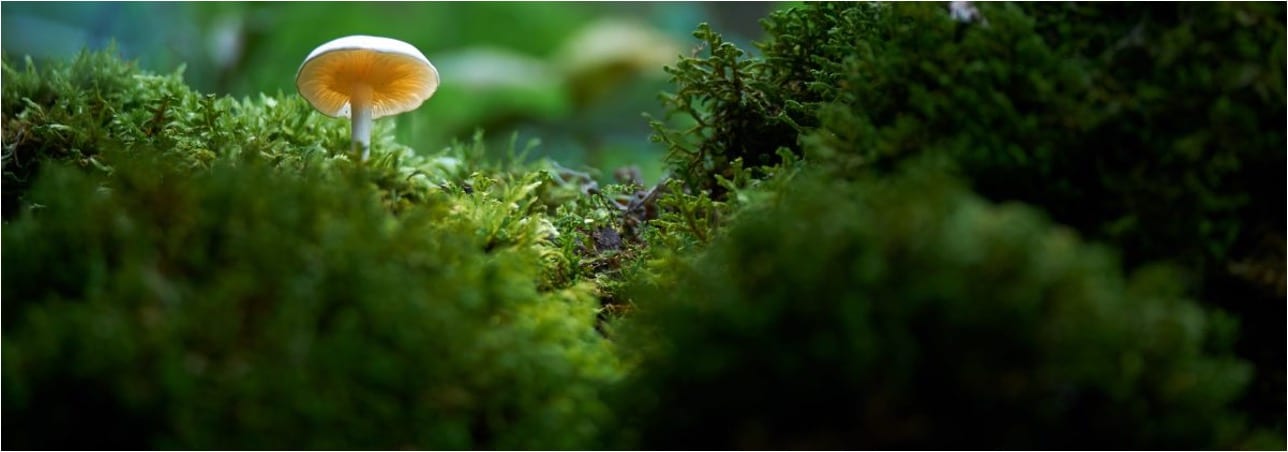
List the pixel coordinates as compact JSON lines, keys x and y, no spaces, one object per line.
{"x":96,"y":105}
{"x":1153,"y":128}
{"x":1156,"y":130}
{"x":186,"y":271}
{"x":740,"y":110}
{"x":909,"y":313}
{"x":1109,"y":117}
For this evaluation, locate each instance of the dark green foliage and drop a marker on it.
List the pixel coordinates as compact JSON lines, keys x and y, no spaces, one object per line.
{"x":908,"y":313}
{"x":733,"y":118}
{"x":1159,"y":128}
{"x":1156,"y":129}
{"x":749,"y":108}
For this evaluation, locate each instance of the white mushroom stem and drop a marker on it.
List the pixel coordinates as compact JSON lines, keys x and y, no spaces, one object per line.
{"x":360,"y":111}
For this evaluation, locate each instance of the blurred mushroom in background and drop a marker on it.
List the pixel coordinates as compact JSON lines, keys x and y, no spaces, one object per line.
{"x":610,"y":52}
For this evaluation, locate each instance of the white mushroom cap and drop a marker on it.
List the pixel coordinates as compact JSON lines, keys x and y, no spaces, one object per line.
{"x":399,"y":77}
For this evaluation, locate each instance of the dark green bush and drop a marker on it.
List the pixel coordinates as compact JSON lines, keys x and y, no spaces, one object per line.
{"x":908,"y":313}
{"x":242,"y":307}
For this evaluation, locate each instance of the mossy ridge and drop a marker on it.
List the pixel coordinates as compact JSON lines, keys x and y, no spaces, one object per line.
{"x":169,"y":243}
{"x":98,"y":103}
{"x":98,"y":109}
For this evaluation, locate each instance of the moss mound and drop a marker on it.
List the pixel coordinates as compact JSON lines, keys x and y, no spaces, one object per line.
{"x":194,"y":272}
{"x":909,"y":313}
{"x":1157,"y":131}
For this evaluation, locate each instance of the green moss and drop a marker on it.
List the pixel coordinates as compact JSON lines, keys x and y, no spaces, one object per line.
{"x":732,"y":107}
{"x":908,"y":313}
{"x":1115,"y":120}
{"x":188,"y":271}
{"x":1149,"y":127}
{"x":191,"y":271}
{"x":1155,"y":130}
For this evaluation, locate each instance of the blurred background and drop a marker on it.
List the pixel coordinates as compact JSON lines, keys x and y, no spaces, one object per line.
{"x":577,"y":76}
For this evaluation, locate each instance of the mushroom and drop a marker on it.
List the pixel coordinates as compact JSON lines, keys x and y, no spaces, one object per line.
{"x":363,"y":78}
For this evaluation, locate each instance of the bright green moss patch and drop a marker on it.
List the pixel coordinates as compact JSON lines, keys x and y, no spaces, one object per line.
{"x":184,"y":271}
